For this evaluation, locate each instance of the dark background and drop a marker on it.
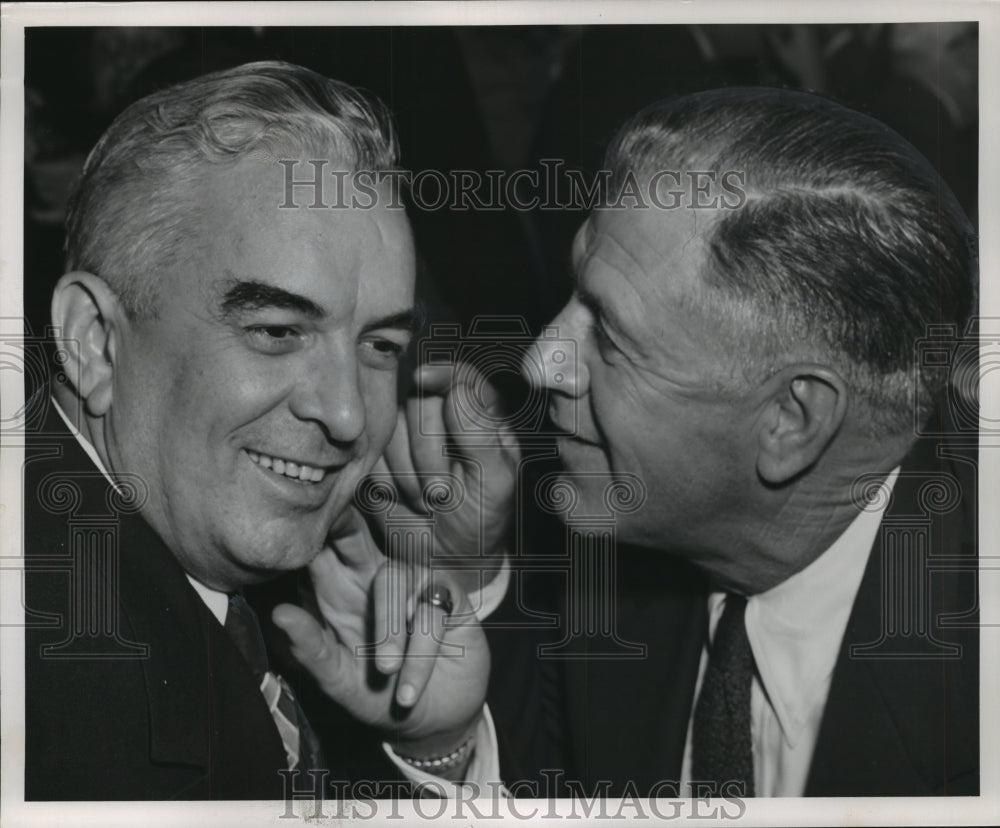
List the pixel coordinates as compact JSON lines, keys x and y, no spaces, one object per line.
{"x":483,"y":98}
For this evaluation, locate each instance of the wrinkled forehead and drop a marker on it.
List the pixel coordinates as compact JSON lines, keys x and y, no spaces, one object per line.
{"x":316,"y":179}
{"x":296,"y":192}
{"x":246,"y":226}
{"x":653,"y":248}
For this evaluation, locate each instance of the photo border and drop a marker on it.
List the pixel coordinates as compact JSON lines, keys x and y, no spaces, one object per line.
{"x":812,"y":811}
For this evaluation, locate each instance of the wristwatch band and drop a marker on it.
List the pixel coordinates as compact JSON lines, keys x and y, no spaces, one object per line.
{"x":435,"y":764}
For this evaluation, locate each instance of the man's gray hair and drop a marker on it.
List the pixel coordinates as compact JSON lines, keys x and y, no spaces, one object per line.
{"x":133,"y":209}
{"x":848,"y":248}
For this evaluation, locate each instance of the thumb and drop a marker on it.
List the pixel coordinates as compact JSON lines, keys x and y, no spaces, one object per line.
{"x":353,"y":547}
{"x":473,"y":412}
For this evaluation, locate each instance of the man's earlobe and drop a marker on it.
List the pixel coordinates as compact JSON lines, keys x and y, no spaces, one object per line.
{"x":803,"y":414}
{"x":87,"y":314}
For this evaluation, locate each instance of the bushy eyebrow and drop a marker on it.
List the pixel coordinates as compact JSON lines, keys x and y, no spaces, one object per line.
{"x":244,"y":295}
{"x":249,"y":295}
{"x":409,"y":320}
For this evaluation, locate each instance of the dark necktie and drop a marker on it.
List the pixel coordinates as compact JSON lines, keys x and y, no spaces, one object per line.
{"x":721,"y":747}
{"x":300,"y":742}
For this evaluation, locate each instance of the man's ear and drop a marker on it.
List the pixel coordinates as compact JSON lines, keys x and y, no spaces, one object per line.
{"x":803,"y":412}
{"x":88,"y":316}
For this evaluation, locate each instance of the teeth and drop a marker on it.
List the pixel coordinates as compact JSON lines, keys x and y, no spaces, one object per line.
{"x":295,"y":471}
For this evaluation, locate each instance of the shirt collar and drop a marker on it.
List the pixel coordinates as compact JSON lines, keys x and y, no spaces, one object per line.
{"x":796,"y":628}
{"x":217,"y":602}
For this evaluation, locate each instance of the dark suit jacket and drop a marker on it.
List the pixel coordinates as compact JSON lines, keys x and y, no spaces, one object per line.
{"x":902,"y":716}
{"x":133,"y":689}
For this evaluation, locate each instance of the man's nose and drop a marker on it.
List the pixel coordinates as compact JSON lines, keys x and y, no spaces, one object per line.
{"x":330,"y":394}
{"x":553,"y":360}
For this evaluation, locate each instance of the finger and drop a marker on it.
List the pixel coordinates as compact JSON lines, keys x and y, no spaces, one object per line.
{"x":354,"y":547}
{"x":333,"y":584}
{"x":460,"y":404}
{"x":473,"y":409}
{"x":434,"y":379}
{"x":426,"y":434}
{"x":434,"y":383}
{"x":376,"y":518}
{"x":390,"y":595}
{"x":340,"y":573}
{"x":313,"y":647}
{"x":422,"y":649}
{"x":398,"y":461}
{"x":429,"y":625}
{"x":442,"y":380}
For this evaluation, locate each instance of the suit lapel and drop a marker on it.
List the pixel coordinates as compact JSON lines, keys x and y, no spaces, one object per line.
{"x":628,"y":718}
{"x":859,"y":750}
{"x":178,"y":682}
{"x":205,"y":709}
{"x":901,"y":717}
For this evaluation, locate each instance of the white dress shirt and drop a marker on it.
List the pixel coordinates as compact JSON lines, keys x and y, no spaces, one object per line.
{"x":484,"y":768}
{"x":795,"y":631}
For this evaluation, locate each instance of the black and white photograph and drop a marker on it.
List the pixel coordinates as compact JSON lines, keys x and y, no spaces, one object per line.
{"x":482,"y":412}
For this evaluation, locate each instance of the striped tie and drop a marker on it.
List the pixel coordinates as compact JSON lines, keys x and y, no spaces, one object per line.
{"x":297,"y":736}
{"x":281,"y":703}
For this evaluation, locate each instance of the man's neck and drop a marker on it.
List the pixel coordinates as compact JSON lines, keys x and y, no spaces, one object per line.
{"x":789,"y":529}
{"x":67,"y":407}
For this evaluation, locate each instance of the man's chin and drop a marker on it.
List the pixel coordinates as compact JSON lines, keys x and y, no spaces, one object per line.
{"x":258,"y":561}
{"x":257,"y":572}
{"x":344,"y":523}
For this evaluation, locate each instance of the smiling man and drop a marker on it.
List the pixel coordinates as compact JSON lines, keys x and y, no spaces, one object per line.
{"x":271,"y":351}
{"x":231,"y":376}
{"x":776,"y":373}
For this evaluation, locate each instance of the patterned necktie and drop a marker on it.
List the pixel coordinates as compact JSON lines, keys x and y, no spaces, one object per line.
{"x":300,"y":742}
{"x":721,"y":746}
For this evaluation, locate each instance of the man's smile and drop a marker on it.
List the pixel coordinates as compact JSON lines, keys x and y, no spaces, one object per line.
{"x":292,"y":469}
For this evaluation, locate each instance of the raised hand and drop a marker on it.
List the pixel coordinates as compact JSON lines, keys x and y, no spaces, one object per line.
{"x":451,"y":435}
{"x":385,"y":653}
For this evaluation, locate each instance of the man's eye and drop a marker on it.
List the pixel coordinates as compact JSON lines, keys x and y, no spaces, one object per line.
{"x":383,"y":353}
{"x":601,"y":334}
{"x":273,"y":339}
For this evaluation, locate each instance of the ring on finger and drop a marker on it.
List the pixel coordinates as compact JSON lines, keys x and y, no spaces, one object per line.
{"x":438,"y":596}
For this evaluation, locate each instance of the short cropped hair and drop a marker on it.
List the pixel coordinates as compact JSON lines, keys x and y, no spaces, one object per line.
{"x":133,"y":210}
{"x":847,"y":247}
